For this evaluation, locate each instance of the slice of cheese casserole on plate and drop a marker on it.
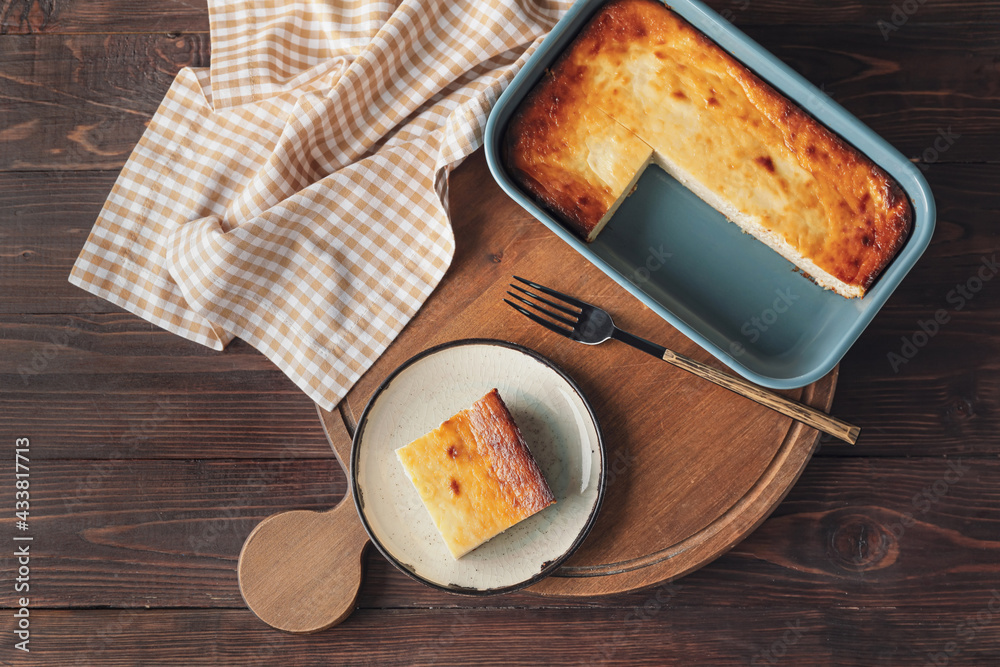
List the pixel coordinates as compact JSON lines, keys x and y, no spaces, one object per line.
{"x":475,"y":475}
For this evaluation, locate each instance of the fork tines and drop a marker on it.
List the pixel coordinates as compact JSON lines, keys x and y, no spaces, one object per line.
{"x":547,"y":323}
{"x":551,"y":292}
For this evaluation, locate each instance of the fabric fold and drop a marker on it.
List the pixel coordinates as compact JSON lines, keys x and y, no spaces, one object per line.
{"x":295,"y":193}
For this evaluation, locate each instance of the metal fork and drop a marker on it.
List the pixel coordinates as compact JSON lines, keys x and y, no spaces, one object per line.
{"x":589,"y":324}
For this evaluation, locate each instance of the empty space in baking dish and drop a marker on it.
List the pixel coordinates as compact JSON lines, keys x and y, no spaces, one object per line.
{"x":739,"y":294}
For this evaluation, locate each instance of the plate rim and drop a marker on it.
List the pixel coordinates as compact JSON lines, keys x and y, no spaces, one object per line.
{"x":357,"y":492}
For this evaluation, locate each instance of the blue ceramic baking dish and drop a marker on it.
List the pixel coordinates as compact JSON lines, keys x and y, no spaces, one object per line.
{"x":727,"y":291}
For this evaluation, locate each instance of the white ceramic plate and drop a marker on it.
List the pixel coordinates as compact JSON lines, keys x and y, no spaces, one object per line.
{"x":558,"y":426}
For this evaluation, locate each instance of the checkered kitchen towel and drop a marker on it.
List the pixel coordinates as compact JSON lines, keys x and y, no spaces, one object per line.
{"x":295,"y":193}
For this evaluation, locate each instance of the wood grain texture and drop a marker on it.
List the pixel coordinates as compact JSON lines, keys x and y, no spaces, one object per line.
{"x":883,"y":553}
{"x":905,"y":87}
{"x":339,"y":434}
{"x":40,"y":238}
{"x":83,"y":101}
{"x":76,"y":16}
{"x":83,"y":16}
{"x":97,"y":385}
{"x":855,"y":12}
{"x":654,"y":632}
{"x":137,"y":530}
{"x":301,"y":571}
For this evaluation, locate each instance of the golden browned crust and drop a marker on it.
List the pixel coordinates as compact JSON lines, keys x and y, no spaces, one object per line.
{"x":501,"y":443}
{"x":875,"y":214}
{"x":534,"y":151}
{"x":789,"y":180}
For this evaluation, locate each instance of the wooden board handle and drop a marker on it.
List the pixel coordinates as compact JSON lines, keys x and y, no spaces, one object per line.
{"x":803,"y":413}
{"x":301,"y":571}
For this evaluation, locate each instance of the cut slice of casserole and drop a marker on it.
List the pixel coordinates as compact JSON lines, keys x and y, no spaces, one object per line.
{"x":475,"y":475}
{"x":718,"y":129}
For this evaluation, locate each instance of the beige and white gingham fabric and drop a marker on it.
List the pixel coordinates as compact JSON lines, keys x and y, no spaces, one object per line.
{"x":295,"y":193}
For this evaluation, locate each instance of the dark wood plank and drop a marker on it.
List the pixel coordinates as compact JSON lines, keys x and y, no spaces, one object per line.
{"x":76,"y":16}
{"x":255,"y":423}
{"x":792,"y":12}
{"x":82,"y":101}
{"x":113,"y":385}
{"x":155,"y":533}
{"x":653,"y":633}
{"x":81,"y":16}
{"x":853,"y":533}
{"x":40,"y":238}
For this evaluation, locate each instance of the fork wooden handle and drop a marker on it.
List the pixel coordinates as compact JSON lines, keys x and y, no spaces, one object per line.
{"x":803,"y":413}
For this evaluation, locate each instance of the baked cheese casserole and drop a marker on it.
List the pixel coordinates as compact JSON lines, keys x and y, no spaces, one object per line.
{"x":641,"y":85}
{"x":475,"y":475}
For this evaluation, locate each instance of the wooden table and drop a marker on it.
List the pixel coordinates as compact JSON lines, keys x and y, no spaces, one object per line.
{"x":152,"y":458}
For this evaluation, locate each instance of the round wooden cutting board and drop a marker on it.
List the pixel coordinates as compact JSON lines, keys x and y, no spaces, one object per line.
{"x":692,"y":468}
